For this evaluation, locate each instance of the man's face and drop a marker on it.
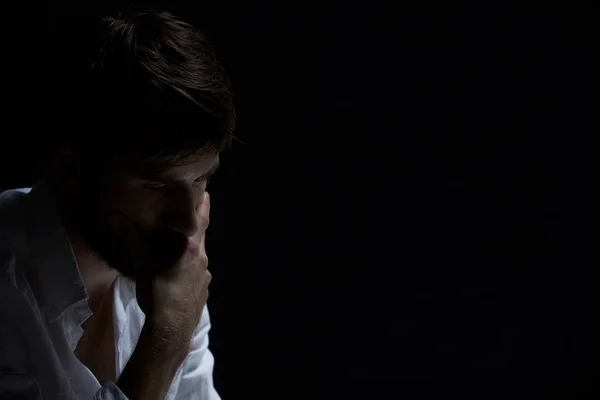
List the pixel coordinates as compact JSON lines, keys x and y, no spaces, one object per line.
{"x":155,"y":204}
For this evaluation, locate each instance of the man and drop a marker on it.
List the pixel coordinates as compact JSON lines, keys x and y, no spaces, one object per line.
{"x":103,"y":270}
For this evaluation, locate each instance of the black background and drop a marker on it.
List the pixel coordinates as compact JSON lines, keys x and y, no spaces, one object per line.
{"x":409,"y":210}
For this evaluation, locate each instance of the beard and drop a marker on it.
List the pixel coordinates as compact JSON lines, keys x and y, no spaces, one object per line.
{"x":137,"y":252}
{"x":155,"y":251}
{"x":105,"y":241}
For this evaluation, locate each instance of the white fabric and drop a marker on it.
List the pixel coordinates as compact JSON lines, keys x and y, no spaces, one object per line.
{"x":43,"y":303}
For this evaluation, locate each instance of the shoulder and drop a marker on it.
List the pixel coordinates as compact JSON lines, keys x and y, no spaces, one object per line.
{"x":12,"y":227}
{"x":17,"y":315}
{"x":10,"y":196}
{"x":11,"y":206}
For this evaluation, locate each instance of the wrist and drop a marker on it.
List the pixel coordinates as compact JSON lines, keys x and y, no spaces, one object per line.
{"x":150,"y":370}
{"x":171,"y":324}
{"x":167,"y":334}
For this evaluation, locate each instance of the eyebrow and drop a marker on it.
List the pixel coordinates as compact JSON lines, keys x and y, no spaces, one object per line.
{"x":154,"y":172}
{"x":212,"y":169}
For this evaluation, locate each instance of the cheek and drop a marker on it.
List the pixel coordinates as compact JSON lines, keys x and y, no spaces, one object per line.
{"x":143,"y":206}
{"x":124,"y":197}
{"x":150,"y":209}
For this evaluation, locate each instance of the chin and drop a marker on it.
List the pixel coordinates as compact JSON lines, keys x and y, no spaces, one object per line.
{"x":103,"y":243}
{"x":119,"y":262}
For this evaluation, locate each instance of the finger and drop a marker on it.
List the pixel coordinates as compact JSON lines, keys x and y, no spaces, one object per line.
{"x":207,"y":279}
{"x":203,"y":216}
{"x":203,"y":213}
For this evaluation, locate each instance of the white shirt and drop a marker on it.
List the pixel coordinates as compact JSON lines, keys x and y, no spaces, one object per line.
{"x":43,"y":303}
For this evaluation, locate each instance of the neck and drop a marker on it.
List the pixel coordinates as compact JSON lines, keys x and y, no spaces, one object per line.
{"x":97,"y":276}
{"x":95,"y":273}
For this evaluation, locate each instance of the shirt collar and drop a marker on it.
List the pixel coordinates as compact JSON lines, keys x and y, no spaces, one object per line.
{"x":55,"y":271}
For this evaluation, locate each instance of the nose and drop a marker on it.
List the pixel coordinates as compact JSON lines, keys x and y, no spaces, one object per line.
{"x":181,"y":215}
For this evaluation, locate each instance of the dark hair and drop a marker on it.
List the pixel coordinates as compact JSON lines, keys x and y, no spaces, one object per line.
{"x":142,"y":82}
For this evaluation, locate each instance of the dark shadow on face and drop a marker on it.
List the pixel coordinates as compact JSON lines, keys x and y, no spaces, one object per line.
{"x":157,"y":221}
{"x":108,"y":243}
{"x":155,"y":251}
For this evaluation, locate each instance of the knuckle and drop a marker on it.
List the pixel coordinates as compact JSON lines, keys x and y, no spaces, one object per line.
{"x":203,"y":259}
{"x":204,"y":220}
{"x":192,"y":251}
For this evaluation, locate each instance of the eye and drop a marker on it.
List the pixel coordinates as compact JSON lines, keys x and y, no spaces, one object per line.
{"x":153,"y":185}
{"x":202,"y":179}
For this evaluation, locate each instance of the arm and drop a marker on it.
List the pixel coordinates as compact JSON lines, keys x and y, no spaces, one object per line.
{"x":19,"y":387}
{"x":173,"y":298}
{"x":196,"y":381}
{"x":153,"y":364}
{"x":16,"y":323}
{"x":151,"y":377}
{"x":22,"y":334}
{"x":21,"y":337}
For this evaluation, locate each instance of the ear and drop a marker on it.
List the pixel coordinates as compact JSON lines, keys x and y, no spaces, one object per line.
{"x":67,"y":168}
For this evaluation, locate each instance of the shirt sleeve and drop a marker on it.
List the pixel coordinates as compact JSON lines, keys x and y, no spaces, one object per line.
{"x":196,"y":381}
{"x":109,"y":391}
{"x":195,"y":376}
{"x":17,"y":331}
{"x":15,"y":386}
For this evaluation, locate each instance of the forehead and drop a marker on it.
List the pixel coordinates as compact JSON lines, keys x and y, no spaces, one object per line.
{"x":199,"y":163}
{"x":191,"y":167}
